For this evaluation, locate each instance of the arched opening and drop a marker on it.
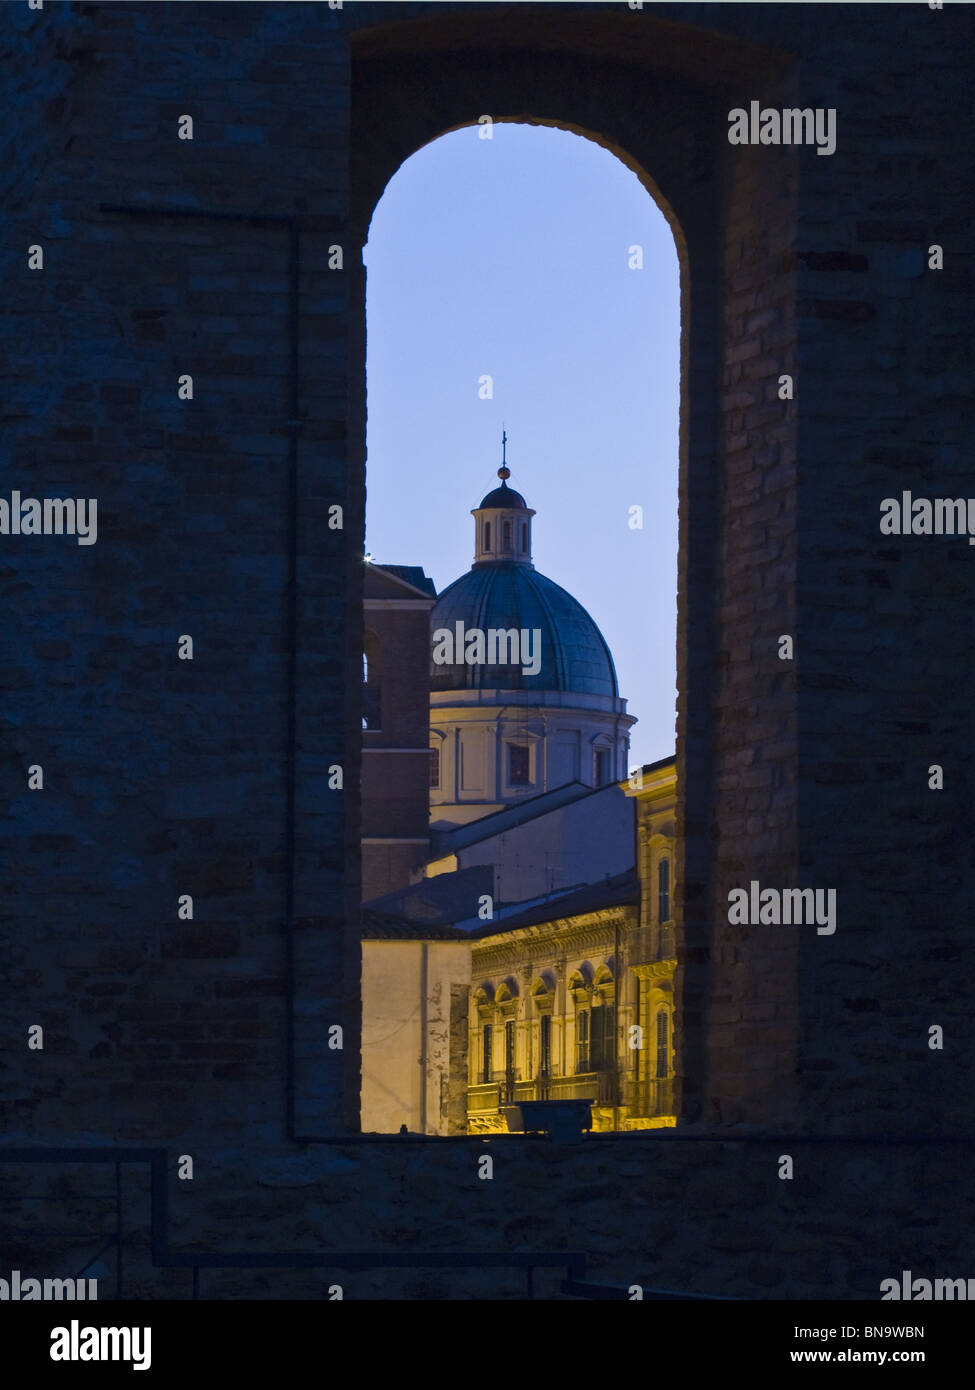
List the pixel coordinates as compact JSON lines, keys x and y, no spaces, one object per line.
{"x":600,"y":467}
{"x":725,"y":215}
{"x":528,"y":284}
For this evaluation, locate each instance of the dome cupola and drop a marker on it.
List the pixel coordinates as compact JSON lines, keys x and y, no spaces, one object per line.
{"x":503,"y":523}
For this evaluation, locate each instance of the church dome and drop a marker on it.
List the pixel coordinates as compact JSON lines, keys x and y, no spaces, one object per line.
{"x":572,"y":652}
{"x":523,"y":691}
{"x":504,"y":496}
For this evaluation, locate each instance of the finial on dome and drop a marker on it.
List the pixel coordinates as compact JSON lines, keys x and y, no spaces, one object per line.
{"x":504,"y":472}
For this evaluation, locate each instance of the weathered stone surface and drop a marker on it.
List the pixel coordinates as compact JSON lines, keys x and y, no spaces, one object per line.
{"x":165,"y":777}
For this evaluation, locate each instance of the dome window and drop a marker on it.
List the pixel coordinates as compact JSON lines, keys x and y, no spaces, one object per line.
{"x":507,"y":535}
{"x":519,"y":765}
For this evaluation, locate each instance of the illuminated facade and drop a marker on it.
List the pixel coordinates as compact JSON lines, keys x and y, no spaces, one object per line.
{"x":570,"y":998}
{"x":579,"y":1003}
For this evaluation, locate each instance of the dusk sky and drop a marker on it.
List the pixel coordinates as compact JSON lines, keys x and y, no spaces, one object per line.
{"x":509,"y":257}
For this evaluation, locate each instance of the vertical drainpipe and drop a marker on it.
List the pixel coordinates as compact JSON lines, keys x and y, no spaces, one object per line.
{"x":639,"y":936}
{"x":617,"y":1088}
{"x":424,"y":986}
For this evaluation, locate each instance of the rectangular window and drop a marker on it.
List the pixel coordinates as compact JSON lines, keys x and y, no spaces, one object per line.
{"x":663,"y":891}
{"x":509,"y":1061}
{"x":372,"y":706}
{"x":663,"y":1060}
{"x":582,"y":1041}
{"x":487,"y":1044}
{"x":602,"y":766}
{"x":545,"y":1057}
{"x":434,"y":767}
{"x":487,"y":535}
{"x":519,"y":765}
{"x":603,"y":1049}
{"x":507,"y":535}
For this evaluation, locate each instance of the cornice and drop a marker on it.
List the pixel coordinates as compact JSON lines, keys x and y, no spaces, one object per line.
{"x":561,"y":937}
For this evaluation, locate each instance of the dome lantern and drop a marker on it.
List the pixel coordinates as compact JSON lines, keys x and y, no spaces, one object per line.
{"x":502,"y":523}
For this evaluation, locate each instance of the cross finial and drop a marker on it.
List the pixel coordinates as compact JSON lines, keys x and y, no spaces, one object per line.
{"x":504,"y":471}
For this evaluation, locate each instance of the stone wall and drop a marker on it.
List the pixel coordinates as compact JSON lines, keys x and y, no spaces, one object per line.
{"x":165,"y":777}
{"x":690,"y":1215}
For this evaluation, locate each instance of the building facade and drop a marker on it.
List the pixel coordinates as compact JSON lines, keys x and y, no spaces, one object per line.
{"x":579,"y":1003}
{"x":395,"y":752}
{"x":571,"y":997}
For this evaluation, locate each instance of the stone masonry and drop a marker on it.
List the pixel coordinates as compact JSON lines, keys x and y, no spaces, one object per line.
{"x":216,"y":257}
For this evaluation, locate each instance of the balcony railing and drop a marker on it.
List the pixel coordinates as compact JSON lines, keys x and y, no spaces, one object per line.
{"x":483,"y":1098}
{"x":651,"y":1097}
{"x":647,"y":1098}
{"x":596,"y":1086}
{"x":487,"y":1097}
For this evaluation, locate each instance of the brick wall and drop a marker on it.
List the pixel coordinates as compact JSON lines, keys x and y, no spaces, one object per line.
{"x":165,"y":777}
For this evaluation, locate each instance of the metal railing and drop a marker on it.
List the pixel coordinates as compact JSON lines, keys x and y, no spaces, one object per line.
{"x":489,"y":1096}
{"x":650,"y":1097}
{"x":484,"y":1098}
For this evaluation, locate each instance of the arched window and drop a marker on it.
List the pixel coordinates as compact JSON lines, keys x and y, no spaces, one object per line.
{"x":663,"y":891}
{"x":663,"y":1041}
{"x":398,"y":506}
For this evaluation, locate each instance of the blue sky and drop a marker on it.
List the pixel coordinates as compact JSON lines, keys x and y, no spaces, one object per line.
{"x":509,"y":257}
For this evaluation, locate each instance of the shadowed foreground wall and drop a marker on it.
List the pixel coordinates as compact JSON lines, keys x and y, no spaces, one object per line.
{"x":211,"y":778}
